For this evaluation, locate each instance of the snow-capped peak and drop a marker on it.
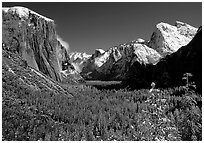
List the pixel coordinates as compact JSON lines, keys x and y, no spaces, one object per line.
{"x":167,"y":38}
{"x":23,"y":12}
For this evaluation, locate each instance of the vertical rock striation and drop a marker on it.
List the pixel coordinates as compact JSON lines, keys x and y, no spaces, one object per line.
{"x":33,"y":37}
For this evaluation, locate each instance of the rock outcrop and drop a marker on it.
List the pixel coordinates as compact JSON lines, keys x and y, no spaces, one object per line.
{"x":167,"y":39}
{"x":34,"y":38}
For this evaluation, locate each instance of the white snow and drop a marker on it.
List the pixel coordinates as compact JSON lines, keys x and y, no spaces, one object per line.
{"x":100,"y":50}
{"x":116,"y":54}
{"x":139,"y":40}
{"x":76,"y":55}
{"x":84,"y":55}
{"x":146,"y":54}
{"x":99,"y":61}
{"x":23,"y":12}
{"x":168,"y":39}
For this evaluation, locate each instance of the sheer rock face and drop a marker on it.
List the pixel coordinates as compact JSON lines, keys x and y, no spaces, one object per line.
{"x":33,"y":37}
{"x":167,"y":39}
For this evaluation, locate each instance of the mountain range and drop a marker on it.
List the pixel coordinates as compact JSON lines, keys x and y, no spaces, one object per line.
{"x":34,"y":38}
{"x":136,"y":60}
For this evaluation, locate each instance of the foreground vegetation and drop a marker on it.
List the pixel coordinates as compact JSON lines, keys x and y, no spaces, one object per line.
{"x":92,"y":114}
{"x":35,"y":107}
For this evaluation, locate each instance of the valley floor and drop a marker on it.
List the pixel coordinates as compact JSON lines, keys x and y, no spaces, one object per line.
{"x":94,"y":115}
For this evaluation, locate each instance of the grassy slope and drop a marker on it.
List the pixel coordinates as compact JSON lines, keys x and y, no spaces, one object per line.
{"x":37,"y":108}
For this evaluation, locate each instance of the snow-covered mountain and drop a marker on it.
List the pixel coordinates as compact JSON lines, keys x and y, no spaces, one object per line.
{"x":170,"y":70}
{"x":35,"y":39}
{"x":188,"y":59}
{"x":113,"y":63}
{"x":77,"y":56}
{"x":167,"y":39}
{"x":77,"y":59}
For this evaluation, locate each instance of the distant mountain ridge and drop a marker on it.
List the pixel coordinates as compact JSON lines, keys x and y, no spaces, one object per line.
{"x":170,"y":70}
{"x":114,"y":63}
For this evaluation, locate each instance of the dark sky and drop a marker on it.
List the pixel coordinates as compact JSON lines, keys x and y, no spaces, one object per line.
{"x":88,"y":26}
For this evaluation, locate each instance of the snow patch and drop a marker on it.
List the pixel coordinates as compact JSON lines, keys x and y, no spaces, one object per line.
{"x":145,"y":54}
{"x":139,"y":40}
{"x":100,"y":50}
{"x":99,"y":61}
{"x":76,"y":55}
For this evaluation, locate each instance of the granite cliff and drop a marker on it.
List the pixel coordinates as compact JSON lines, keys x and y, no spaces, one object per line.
{"x":34,"y":38}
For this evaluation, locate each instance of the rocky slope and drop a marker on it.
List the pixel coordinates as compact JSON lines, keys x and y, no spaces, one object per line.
{"x":34,"y":38}
{"x":17,"y":76}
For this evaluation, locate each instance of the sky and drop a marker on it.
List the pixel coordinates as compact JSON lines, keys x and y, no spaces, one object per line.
{"x":87,"y":26}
